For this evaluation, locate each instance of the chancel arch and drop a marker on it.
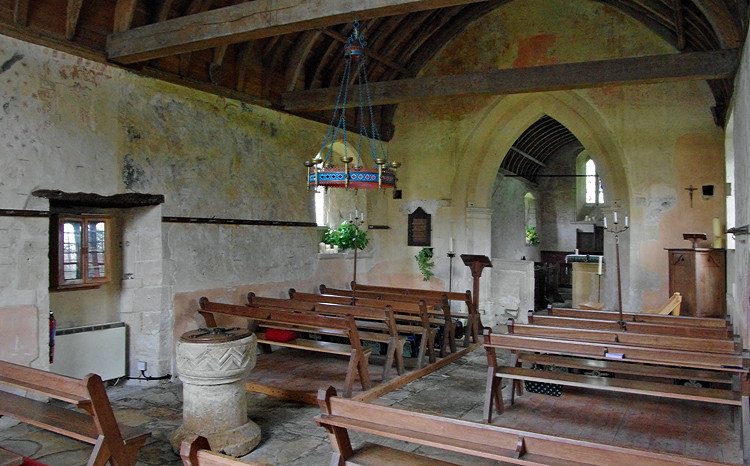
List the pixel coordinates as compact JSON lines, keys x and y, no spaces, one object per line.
{"x":494,"y":135}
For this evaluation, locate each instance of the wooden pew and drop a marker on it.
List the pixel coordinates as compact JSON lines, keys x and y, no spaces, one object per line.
{"x":412,"y":318}
{"x":376,"y":324}
{"x":93,"y":423}
{"x":477,"y":440}
{"x":195,"y":451}
{"x":637,"y":327}
{"x":474,"y":322}
{"x":735,"y":365}
{"x":713,"y":322}
{"x":343,"y":326}
{"x":435,"y":307}
{"x":630,"y":337}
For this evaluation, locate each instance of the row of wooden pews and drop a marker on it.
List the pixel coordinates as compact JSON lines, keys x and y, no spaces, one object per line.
{"x":384,"y":315}
{"x":262,"y":319}
{"x":91,"y":421}
{"x":647,"y":357}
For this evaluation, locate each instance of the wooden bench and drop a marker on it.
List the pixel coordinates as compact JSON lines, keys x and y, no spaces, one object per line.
{"x":196,"y":451}
{"x":93,"y":423}
{"x":474,"y":322}
{"x":653,"y":362}
{"x":712,"y":345}
{"x":637,"y":327}
{"x":411,"y":318}
{"x":376,"y":324}
{"x":477,"y":440}
{"x":712,"y":322}
{"x":343,"y":326}
{"x":435,"y":307}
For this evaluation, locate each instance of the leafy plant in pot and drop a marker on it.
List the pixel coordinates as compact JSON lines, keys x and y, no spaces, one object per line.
{"x":425,"y":263}
{"x":346,"y":237}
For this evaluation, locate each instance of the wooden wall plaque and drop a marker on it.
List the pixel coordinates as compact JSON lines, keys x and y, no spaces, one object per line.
{"x":420,"y":228}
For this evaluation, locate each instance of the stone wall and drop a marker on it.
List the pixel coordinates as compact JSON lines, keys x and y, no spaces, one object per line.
{"x":78,"y":126}
{"x":738,"y":280}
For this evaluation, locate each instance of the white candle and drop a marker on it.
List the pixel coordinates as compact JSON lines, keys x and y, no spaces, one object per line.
{"x":450,"y":244}
{"x":627,"y":224}
{"x":363,"y":216}
{"x":576,"y":252}
{"x":605,"y":222}
{"x":615,"y":218}
{"x":600,"y":265}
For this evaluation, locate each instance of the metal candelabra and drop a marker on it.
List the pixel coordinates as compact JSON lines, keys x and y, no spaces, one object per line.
{"x":616,"y":230}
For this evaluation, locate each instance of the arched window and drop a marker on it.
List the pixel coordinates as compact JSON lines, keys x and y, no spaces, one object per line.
{"x":529,"y":204}
{"x":594,"y":190}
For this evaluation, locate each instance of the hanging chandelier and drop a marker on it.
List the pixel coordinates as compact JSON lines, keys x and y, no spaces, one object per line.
{"x":321,"y":170}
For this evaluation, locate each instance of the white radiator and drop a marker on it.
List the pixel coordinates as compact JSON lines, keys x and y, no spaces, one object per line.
{"x":93,"y":348}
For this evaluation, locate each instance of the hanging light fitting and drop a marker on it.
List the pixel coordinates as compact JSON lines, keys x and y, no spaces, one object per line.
{"x":321,"y":171}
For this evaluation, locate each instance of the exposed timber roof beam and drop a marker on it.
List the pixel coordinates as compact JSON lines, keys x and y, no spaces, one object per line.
{"x":251,"y":21}
{"x":530,"y":157}
{"x":636,"y":70}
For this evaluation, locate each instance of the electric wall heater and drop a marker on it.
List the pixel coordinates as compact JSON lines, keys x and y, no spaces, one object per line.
{"x":98,"y":349}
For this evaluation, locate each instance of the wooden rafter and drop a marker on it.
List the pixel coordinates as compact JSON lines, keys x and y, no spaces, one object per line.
{"x":124,"y":11}
{"x":374,"y":55}
{"x":679,"y":23}
{"x":250,"y":21}
{"x":635,"y":70}
{"x":73,"y":12}
{"x":21,"y":12}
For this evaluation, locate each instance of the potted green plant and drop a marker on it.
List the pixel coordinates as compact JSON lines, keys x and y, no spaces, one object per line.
{"x":425,"y":263}
{"x":346,"y":237}
{"x":532,"y":237}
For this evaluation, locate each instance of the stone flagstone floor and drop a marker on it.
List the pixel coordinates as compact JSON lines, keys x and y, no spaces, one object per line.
{"x":290,"y":437}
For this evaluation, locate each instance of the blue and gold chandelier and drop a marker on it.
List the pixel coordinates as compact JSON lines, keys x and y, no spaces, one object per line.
{"x":353,"y":174}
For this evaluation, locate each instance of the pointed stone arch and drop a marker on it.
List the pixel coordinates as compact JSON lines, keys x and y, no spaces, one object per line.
{"x":509,"y":117}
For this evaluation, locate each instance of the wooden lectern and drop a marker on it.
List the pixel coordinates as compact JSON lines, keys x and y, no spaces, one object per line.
{"x":476,"y":264}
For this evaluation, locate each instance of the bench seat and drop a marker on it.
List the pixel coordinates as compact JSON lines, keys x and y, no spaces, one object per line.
{"x":61,"y":420}
{"x":474,"y":439}
{"x":668,"y":390}
{"x":617,"y":367}
{"x":92,"y":421}
{"x":310,"y":345}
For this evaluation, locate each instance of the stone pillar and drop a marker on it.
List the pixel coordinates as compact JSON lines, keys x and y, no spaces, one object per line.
{"x":213,"y":365}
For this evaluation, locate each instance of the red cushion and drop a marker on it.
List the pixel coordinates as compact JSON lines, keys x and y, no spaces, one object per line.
{"x":276,"y":334}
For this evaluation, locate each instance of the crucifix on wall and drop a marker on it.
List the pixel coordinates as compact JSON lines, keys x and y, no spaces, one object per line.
{"x":691,"y":189}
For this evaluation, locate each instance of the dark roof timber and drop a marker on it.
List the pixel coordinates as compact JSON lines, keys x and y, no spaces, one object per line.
{"x":114,"y":201}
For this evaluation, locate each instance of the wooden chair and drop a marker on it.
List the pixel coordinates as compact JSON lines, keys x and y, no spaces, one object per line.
{"x":94,"y":422}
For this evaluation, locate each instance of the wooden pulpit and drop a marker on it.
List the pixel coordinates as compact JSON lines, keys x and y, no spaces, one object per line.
{"x":476,"y":263}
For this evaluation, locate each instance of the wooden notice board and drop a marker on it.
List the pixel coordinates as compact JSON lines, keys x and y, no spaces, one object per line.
{"x":420,"y":228}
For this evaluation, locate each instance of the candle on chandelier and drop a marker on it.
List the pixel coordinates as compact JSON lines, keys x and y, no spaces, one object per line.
{"x":627,"y":224}
{"x":450,"y":244}
{"x":605,"y":222}
{"x":600,"y":265}
{"x":615,"y":218}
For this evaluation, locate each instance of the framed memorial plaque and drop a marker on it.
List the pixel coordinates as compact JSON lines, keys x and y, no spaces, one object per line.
{"x":420,"y":228}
